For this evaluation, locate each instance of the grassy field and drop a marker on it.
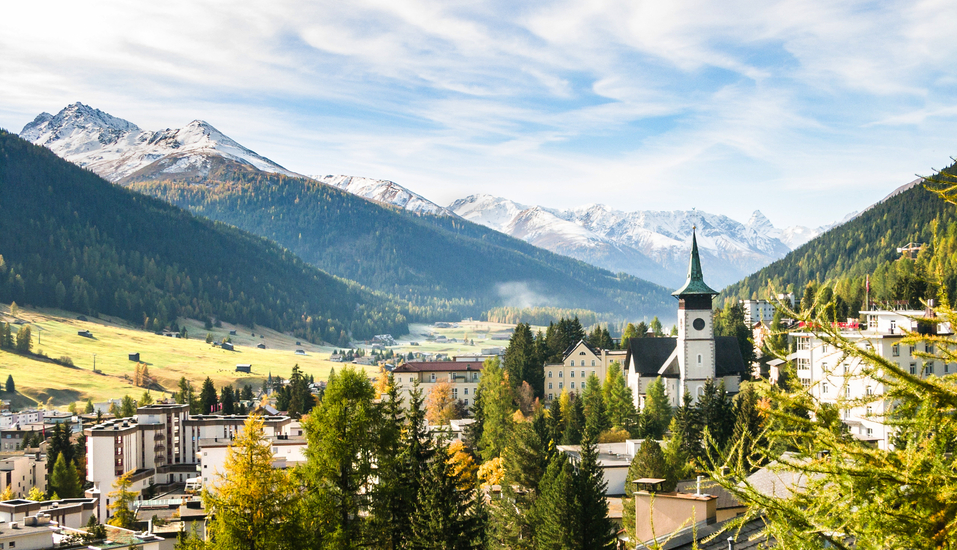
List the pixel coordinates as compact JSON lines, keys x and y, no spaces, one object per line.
{"x":169,"y":359}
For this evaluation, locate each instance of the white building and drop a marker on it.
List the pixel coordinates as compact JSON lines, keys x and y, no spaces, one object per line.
{"x":160,"y":445}
{"x":22,"y":472}
{"x":757,"y":310}
{"x":688,"y":362}
{"x":31,"y":416}
{"x":832,"y":379}
{"x":288,"y":451}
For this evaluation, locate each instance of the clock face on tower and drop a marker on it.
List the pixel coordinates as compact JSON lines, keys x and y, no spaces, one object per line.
{"x":698,"y":324}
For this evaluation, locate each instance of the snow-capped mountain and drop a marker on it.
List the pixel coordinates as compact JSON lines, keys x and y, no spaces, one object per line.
{"x":117,"y":149}
{"x":651,"y":245}
{"x":384,"y":191}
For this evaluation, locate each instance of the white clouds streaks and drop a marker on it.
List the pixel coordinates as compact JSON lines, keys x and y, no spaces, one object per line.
{"x":805,"y":109}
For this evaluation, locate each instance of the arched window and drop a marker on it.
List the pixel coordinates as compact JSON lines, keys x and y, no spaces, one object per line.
{"x":699,"y":359}
{"x":573,"y":362}
{"x":700,"y":390}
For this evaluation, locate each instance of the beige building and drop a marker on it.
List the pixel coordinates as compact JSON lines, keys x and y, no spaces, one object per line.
{"x":580,"y":361}
{"x":462,"y":375}
{"x":22,"y":472}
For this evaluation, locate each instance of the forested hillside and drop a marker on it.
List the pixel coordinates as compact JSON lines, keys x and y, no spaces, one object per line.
{"x":70,"y":239}
{"x":841,"y":258}
{"x":442,"y":265}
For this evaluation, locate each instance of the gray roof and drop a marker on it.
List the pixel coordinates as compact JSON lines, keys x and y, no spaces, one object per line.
{"x":742,"y":538}
{"x":650,"y":354}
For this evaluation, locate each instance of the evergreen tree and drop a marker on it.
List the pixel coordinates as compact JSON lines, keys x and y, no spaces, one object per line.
{"x":656,"y":414}
{"x":595,"y":530}
{"x":524,"y":460}
{"x":619,"y":400}
{"x":522,"y":362}
{"x":631,"y":331}
{"x":341,"y":436}
{"x":473,"y":431}
{"x":596,"y":415}
{"x":127,"y":407}
{"x":24,"y":340}
{"x":392,"y":502}
{"x":64,"y":480}
{"x":207,"y":396}
{"x":716,"y":413}
{"x":497,"y":409}
{"x":656,"y":327}
{"x":686,"y":424}
{"x":556,"y":511}
{"x":88,"y":408}
{"x":227,"y":399}
{"x":11,"y":387}
{"x":574,"y":422}
{"x":443,"y":518}
{"x":556,"y":423}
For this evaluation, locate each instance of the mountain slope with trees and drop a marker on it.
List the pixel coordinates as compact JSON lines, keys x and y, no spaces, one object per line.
{"x":72,"y":240}
{"x":442,"y":265}
{"x":866,"y":245}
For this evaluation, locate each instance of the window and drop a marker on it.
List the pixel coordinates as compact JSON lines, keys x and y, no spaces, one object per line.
{"x":466,"y":402}
{"x":847,"y":391}
{"x":573,"y":374}
{"x":700,"y":391}
{"x":870,"y":410}
{"x":928,"y":368}
{"x":930,"y":348}
{"x":803,"y":363}
{"x":870,"y":390}
{"x":806,"y":383}
{"x":573,"y":385}
{"x":870,"y":432}
{"x":559,"y":385}
{"x":824,"y":388}
{"x":551,"y":396}
{"x":896,"y":350}
{"x":466,"y":391}
{"x":433,"y":377}
{"x":560,"y":373}
{"x":699,"y":359}
{"x":581,"y":353}
{"x":913,"y":366}
{"x":549,"y":385}
{"x":549,"y":374}
{"x":455,"y":393}
{"x":573,"y":364}
{"x":583,"y":374}
{"x":913,"y":348}
{"x":593,"y":362}
{"x":824,"y":366}
{"x":803,"y":343}
{"x":823,"y":348}
{"x":946,"y":368}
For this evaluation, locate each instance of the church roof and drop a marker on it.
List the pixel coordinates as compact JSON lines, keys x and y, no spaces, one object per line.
{"x":649,"y":354}
{"x":695,"y":284}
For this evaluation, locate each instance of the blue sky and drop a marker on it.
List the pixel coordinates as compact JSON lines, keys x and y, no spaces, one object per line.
{"x":806,"y":110}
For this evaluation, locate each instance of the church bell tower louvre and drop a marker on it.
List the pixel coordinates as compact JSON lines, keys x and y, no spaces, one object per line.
{"x":696,"y":344}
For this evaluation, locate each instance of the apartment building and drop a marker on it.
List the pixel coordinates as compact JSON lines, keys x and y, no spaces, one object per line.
{"x":462,"y":375}
{"x":22,"y":472}
{"x":833,"y":378}
{"x":162,"y":444}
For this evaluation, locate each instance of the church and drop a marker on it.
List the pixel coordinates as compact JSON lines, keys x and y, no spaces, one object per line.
{"x":687,"y":362}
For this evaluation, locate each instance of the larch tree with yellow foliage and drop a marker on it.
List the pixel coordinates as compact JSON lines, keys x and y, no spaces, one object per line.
{"x":252,"y":502}
{"x":439,"y":405}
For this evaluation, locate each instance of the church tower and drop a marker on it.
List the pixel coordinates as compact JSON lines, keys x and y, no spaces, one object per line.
{"x":695,"y":346}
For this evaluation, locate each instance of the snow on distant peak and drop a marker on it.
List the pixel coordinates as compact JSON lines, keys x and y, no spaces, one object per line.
{"x":115,"y":148}
{"x":384,"y":191}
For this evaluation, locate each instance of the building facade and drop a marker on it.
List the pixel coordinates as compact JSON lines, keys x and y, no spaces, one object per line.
{"x":579,"y":362}
{"x":463,"y":376}
{"x":833,"y":378}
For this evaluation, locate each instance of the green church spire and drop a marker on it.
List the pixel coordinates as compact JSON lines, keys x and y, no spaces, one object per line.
{"x":695,"y":284}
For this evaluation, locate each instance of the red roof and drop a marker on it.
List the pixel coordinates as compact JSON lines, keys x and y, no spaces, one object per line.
{"x":439,"y":366}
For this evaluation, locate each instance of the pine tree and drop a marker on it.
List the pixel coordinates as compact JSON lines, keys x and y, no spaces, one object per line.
{"x":392,"y":501}
{"x":88,"y":409}
{"x":11,"y":387}
{"x":687,"y":424}
{"x":557,"y":512}
{"x":443,"y":518}
{"x":64,"y":480}
{"x":656,"y":414}
{"x":595,"y":530}
{"x":227,"y":400}
{"x":525,"y":459}
{"x":596,"y":415}
{"x":24,"y":340}
{"x":207,"y":397}
{"x":716,"y":413}
{"x":619,"y":400}
{"x":127,"y":407}
{"x":748,"y":430}
{"x":575,"y":422}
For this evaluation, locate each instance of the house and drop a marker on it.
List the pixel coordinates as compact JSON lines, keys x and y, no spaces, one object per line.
{"x":300,"y":352}
{"x":614,"y":459}
{"x":232,"y":333}
{"x":686,"y":362}
{"x":12,"y":437}
{"x":85,"y":333}
{"x":134,"y":357}
{"x":228,"y":346}
{"x":261,"y":345}
{"x":21,"y":472}
{"x":247,"y":368}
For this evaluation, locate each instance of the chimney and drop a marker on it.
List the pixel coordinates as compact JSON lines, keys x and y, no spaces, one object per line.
{"x":698,"y":486}
{"x":730,"y":543}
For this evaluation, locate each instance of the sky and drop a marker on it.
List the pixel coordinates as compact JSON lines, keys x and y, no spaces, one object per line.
{"x":806,"y":110}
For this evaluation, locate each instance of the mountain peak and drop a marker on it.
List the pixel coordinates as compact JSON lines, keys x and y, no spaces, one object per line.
{"x":759,"y":222}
